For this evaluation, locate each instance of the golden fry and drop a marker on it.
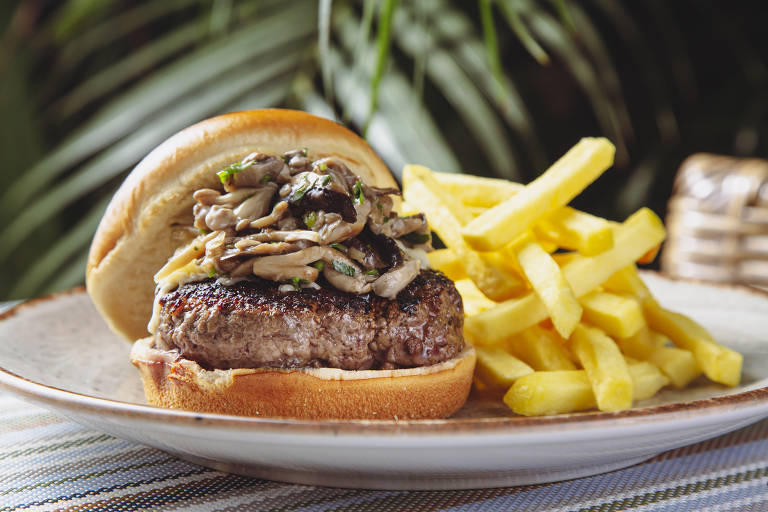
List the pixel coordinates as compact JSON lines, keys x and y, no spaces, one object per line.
{"x":555,"y":188}
{"x":498,"y":368}
{"x":618,"y":315}
{"x":605,"y":367}
{"x":636,"y":235}
{"x":551,"y":287}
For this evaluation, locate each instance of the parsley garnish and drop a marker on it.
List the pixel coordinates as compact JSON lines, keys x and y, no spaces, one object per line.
{"x":372,"y":272}
{"x":416,"y":238}
{"x":304,"y":151}
{"x":323,"y":167}
{"x":266,"y":178}
{"x":381,"y":208}
{"x":299,"y":193}
{"x":339,"y":247}
{"x":296,"y":283}
{"x":340,"y":266}
{"x":226,"y":174}
{"x":203,"y":231}
{"x":212,"y":272}
{"x":319,"y":265}
{"x":309,"y":219}
{"x":326,"y":180}
{"x":358,"y":189}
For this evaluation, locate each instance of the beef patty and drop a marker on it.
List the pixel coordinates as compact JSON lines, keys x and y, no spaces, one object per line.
{"x":253,"y":325}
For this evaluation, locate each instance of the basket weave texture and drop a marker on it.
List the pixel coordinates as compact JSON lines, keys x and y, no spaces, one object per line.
{"x":718,"y":220}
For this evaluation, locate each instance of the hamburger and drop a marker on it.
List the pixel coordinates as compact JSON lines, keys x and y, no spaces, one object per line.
{"x":257,"y":262}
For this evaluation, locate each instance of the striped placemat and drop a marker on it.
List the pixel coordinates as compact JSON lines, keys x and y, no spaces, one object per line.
{"x":50,"y":463}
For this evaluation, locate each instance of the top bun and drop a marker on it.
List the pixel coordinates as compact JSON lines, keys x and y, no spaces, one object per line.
{"x":135,"y":237}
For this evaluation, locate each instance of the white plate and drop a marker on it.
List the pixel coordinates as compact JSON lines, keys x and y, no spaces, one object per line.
{"x":58,"y":353}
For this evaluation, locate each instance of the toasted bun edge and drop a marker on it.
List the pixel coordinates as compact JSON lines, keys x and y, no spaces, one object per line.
{"x":428,"y":392}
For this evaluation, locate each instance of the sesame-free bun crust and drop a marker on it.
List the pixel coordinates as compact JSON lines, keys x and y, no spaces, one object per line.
{"x":313,"y":393}
{"x":135,"y":237}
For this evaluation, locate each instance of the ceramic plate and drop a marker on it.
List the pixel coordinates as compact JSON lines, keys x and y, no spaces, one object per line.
{"x":58,"y":353}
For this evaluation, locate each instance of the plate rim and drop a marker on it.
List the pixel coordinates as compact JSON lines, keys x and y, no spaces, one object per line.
{"x":743,"y":401}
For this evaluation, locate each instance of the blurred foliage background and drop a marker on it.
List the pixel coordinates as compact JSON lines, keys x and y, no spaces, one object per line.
{"x":494,"y":87}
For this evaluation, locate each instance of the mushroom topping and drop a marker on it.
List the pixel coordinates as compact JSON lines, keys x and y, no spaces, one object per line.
{"x":311,"y":191}
{"x":355,"y":283}
{"x":393,"y":281}
{"x":288,"y":218}
{"x":339,"y":230}
{"x":257,"y":205}
{"x":277,"y":213}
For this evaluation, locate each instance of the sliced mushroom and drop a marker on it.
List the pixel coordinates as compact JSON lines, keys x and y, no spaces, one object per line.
{"x":257,"y":205}
{"x":393,"y":281}
{"x":206,"y":196}
{"x":277,"y":236}
{"x":219,"y":218}
{"x":255,"y":174}
{"x":340,"y":230}
{"x":277,"y":213}
{"x":350,"y":284}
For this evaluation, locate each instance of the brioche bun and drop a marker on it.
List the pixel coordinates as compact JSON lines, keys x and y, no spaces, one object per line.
{"x":134,"y":240}
{"x":425,"y":392}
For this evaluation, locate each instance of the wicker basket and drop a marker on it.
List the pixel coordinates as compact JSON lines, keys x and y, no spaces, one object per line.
{"x":718,"y":221}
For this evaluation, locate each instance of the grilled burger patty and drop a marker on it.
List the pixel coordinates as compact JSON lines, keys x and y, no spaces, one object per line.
{"x":253,"y":325}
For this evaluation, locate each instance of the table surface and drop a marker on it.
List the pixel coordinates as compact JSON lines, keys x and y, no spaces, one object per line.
{"x":48,"y":462}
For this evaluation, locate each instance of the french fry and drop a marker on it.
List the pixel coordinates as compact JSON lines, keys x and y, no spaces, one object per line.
{"x":719,"y":363}
{"x":499,"y":369}
{"x":676,"y":363}
{"x":474,"y":300}
{"x":551,"y":287}
{"x":627,"y":281}
{"x":477,"y":191}
{"x":445,"y":261}
{"x":618,"y":315}
{"x":564,"y":391}
{"x":640,"y":345}
{"x":539,"y":348}
{"x":679,"y":365}
{"x":605,"y":367}
{"x":576,"y":231}
{"x":496,"y":282}
{"x":547,"y":393}
{"x":647,"y":380}
{"x":636,"y":235}
{"x":555,"y":188}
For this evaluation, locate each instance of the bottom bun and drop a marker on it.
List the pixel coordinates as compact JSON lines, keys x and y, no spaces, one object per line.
{"x":309,"y":393}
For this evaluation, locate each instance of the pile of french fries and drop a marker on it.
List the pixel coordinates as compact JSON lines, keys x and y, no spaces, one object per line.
{"x":554,"y":304}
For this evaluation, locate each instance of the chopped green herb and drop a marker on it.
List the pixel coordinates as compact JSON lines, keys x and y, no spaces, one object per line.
{"x":296,"y":283}
{"x":386,"y":219}
{"x":304,"y":151}
{"x":381,"y":208}
{"x":212,"y":272}
{"x":299,"y":193}
{"x":358,"y":189}
{"x":372,"y":272}
{"x":326,"y":180}
{"x":323,"y":167}
{"x":286,"y":159}
{"x":195,"y":248}
{"x":340,"y":266}
{"x":319,"y":265}
{"x":416,"y":238}
{"x":203,"y":231}
{"x":226,"y":174}
{"x":309,"y":219}
{"x":339,"y":247}
{"x":266,"y":178}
